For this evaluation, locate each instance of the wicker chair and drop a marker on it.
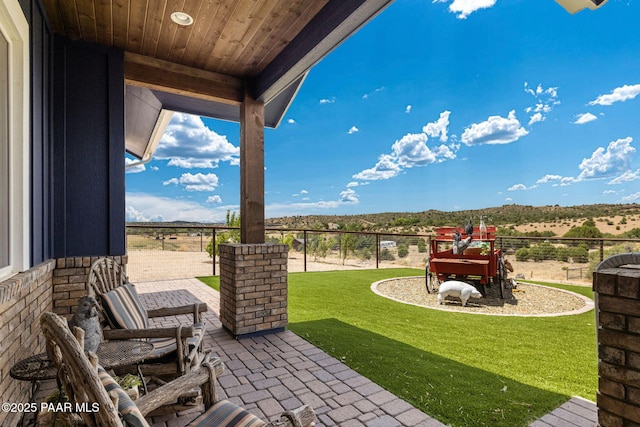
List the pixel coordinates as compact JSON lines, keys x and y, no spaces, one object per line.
{"x":177,"y":349}
{"x":87,"y":385}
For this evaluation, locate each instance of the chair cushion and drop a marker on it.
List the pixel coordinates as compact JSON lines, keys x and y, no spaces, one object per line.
{"x":164,"y":346}
{"x":126,"y":407}
{"x":123,"y":309}
{"x":226,"y":414}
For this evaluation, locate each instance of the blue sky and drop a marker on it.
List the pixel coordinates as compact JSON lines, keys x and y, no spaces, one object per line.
{"x":435,"y":104}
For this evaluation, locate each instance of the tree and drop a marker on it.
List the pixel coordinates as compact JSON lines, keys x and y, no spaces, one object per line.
{"x":229,"y":236}
{"x":584,"y":232}
{"x":347,"y":245}
{"x":422,"y":246}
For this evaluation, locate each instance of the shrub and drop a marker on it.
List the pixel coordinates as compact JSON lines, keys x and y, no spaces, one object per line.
{"x":403,"y":250}
{"x":385,"y":255}
{"x":522,"y":254}
{"x":579,"y":254}
{"x":422,"y":246}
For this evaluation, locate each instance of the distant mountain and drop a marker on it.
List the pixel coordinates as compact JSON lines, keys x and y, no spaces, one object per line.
{"x":500,"y":216}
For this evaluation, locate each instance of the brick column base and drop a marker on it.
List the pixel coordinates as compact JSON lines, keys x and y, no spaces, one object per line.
{"x":253,"y":288}
{"x":617,"y":292}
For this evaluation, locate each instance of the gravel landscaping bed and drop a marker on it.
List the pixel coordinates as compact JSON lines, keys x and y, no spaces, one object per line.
{"x":524,"y":300}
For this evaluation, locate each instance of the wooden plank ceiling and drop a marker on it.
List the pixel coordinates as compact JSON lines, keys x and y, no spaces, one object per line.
{"x":233,"y":37}
{"x":264,"y":47}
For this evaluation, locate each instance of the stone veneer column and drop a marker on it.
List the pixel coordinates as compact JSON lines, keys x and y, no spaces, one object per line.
{"x":23,"y":298}
{"x":617,"y":292}
{"x":253,"y":288}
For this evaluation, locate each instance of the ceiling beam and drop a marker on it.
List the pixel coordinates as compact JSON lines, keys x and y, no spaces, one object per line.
{"x":165,"y":76}
{"x":338,"y":20}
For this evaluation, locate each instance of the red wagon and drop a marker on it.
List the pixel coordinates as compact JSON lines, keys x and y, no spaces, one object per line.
{"x":480,"y":265}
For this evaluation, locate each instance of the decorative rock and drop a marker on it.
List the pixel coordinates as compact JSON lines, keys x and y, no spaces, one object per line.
{"x":454,"y":288}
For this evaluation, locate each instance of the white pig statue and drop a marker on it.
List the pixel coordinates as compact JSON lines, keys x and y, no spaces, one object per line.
{"x":454,"y":288}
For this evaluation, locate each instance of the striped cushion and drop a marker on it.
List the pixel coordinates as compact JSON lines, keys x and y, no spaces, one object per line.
{"x":123,"y":309}
{"x":226,"y":414}
{"x":126,"y":407}
{"x":164,"y":346}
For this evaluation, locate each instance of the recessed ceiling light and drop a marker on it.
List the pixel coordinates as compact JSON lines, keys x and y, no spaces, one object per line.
{"x":181,"y":18}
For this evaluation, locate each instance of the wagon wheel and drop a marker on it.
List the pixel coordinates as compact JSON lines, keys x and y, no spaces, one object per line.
{"x":432,"y":282}
{"x":502,"y":277}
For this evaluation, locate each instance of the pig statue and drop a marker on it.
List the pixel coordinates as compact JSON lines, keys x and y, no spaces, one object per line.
{"x":454,"y":288}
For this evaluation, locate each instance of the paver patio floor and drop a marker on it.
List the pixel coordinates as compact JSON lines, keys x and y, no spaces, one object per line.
{"x":281,"y":371}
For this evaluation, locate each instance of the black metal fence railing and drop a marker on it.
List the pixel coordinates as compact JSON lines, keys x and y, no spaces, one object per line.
{"x":175,"y":251}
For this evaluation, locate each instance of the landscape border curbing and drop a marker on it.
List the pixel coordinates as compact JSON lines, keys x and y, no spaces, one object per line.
{"x":589,"y":303}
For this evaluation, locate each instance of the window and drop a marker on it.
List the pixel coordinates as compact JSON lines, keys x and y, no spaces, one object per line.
{"x":14,"y":139}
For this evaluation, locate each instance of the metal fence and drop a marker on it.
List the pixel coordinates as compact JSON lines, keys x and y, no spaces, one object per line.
{"x":177,"y":251}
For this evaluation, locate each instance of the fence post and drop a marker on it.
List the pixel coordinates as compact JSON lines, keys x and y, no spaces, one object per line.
{"x":304,"y":245}
{"x":601,"y":250}
{"x":213,"y":248}
{"x":377,"y":249}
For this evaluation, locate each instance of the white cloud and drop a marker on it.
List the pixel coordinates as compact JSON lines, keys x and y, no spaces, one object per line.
{"x":412,"y":150}
{"x":349,"y":196}
{"x":520,"y":187}
{"x":147,"y":207}
{"x":214,"y":199}
{"x":356,"y":184}
{"x":134,"y":215}
{"x":134,"y":169}
{"x":291,"y":121}
{"x":302,"y":192}
{"x":508,"y":199}
{"x":465,"y":8}
{"x":495,"y":130}
{"x":188,"y":143}
{"x":195,"y":182}
{"x":631,"y":197}
{"x":537,"y":117}
{"x":619,"y":94}
{"x":439,"y":127}
{"x":626,"y":176}
{"x":385,"y":168}
{"x":607,"y":162}
{"x":407,"y":109}
{"x":584,"y":118}
{"x":327,"y":100}
{"x":549,"y":178}
{"x":612,"y":161}
{"x":154,"y":168}
{"x":367,"y":95}
{"x":609,"y":192}
{"x":352,"y":130}
{"x":546,"y":99}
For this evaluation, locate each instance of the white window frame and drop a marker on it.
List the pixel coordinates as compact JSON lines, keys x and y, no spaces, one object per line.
{"x":15,"y":30}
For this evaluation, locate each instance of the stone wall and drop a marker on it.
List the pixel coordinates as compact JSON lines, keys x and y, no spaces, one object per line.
{"x":70,"y":281}
{"x":23,"y":298}
{"x":253,"y":288}
{"x":55,"y":285}
{"x":618,"y":304}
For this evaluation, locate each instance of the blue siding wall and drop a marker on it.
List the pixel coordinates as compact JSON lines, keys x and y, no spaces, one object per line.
{"x":89,"y":146}
{"x":41,"y":216}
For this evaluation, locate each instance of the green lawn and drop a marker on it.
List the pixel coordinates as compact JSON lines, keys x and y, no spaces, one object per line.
{"x":464,"y":370}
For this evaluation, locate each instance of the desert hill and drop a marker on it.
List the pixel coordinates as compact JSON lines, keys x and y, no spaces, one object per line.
{"x":613,"y":219}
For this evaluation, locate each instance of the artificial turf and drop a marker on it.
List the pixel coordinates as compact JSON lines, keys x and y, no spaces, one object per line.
{"x":462,"y":369}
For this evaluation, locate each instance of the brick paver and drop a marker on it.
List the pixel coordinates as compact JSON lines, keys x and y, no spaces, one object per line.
{"x":282,"y":371}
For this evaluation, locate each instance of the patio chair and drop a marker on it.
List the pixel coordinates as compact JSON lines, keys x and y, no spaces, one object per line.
{"x":89,"y":386}
{"x":176,"y":349}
